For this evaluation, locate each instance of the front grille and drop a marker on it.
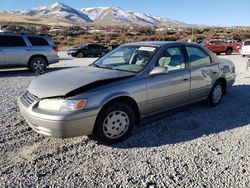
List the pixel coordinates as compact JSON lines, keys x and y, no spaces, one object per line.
{"x":27,"y":99}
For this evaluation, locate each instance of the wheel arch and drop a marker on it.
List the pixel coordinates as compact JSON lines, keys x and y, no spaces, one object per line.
{"x":38,"y":55}
{"x":127,"y":100}
{"x":224,"y":84}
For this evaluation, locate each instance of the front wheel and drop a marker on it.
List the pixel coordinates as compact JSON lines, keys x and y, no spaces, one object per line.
{"x":114,"y":123}
{"x":215,"y":94}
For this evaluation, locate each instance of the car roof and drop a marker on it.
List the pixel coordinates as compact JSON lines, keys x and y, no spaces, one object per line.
{"x":156,"y":43}
{"x":24,"y":34}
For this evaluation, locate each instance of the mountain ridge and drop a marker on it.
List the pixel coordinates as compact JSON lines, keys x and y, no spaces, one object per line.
{"x":100,"y":15}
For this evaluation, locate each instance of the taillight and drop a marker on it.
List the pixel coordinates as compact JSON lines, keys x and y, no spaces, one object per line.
{"x":55,"y":48}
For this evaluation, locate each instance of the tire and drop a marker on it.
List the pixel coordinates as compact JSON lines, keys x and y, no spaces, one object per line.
{"x":243,"y":55}
{"x":80,"y":55}
{"x":229,"y":51}
{"x":114,"y":123}
{"x":38,"y":64}
{"x":216,"y":94}
{"x":217,"y":53}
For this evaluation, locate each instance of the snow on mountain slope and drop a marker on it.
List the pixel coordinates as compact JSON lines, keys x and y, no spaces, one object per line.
{"x":94,"y":13}
{"x":58,"y":11}
{"x":102,"y":15}
{"x":116,"y":14}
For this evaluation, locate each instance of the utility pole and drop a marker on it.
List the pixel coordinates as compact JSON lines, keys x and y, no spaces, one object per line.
{"x":192,"y":34}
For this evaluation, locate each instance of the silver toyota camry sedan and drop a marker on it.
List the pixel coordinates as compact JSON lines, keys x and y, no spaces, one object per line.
{"x":109,"y":97}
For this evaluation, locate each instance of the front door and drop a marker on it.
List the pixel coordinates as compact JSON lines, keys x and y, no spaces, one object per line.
{"x":171,"y":89}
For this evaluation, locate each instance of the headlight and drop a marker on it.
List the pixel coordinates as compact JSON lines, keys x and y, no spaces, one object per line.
{"x":62,"y":105}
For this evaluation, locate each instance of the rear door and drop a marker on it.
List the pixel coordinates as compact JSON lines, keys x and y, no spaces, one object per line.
{"x":203,"y":72}
{"x":15,"y":51}
{"x":39,"y":46}
{"x":171,"y":89}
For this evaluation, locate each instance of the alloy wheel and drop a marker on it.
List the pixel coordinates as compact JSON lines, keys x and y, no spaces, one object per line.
{"x":217,"y":94}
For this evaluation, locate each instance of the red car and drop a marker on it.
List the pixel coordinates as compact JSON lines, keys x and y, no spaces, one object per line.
{"x":221,"y":46}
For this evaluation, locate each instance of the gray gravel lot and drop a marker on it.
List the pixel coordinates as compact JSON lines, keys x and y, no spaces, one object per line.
{"x":197,"y":147}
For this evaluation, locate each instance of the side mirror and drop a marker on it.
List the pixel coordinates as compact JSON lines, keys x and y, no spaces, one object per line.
{"x":158,"y":70}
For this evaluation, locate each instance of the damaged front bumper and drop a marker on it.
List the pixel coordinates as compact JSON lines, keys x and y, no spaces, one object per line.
{"x":58,"y":125}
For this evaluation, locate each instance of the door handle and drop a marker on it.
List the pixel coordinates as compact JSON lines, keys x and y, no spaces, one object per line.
{"x":215,"y":72}
{"x":185,"y":79}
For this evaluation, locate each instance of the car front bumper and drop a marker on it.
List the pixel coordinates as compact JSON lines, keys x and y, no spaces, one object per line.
{"x":72,"y":53}
{"x":59,"y":126}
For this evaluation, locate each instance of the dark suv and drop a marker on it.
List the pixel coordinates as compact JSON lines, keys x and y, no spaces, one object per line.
{"x":88,"y":50}
{"x":27,"y":50}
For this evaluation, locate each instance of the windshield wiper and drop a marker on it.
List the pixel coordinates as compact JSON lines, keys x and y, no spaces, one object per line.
{"x":103,"y":67}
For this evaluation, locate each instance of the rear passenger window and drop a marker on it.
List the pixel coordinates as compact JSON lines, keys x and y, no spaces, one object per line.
{"x":38,"y":41}
{"x":12,"y":41}
{"x":197,"y":56}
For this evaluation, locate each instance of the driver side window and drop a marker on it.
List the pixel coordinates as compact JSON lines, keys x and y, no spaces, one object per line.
{"x":172,"y":58}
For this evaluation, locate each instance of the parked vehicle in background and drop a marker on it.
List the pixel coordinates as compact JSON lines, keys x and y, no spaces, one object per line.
{"x":134,"y":81}
{"x":221,"y":46}
{"x":56,"y":29}
{"x":86,"y":50}
{"x":245,"y":50}
{"x":237,"y":43}
{"x":1,"y":29}
{"x":27,"y":50}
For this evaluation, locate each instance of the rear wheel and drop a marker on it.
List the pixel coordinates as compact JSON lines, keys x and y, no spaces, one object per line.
{"x":38,"y":64}
{"x":217,"y":53}
{"x":114,"y":123}
{"x":80,"y":55}
{"x":229,"y":51}
{"x":215,"y":94}
{"x":243,"y":55}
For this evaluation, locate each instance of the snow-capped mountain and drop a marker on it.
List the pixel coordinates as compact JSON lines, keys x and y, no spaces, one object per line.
{"x":118,"y":15}
{"x":58,"y":11}
{"x":110,"y":14}
{"x":101,"y":15}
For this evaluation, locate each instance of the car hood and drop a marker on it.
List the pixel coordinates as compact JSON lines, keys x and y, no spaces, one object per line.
{"x":60,"y":83}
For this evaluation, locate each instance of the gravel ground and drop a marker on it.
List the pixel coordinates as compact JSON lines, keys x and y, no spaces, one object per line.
{"x":196,"y":147}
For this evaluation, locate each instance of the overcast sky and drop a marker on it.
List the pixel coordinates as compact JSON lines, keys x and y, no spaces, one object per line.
{"x":209,"y":12}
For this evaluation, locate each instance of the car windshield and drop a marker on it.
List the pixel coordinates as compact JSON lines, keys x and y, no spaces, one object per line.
{"x":82,"y":45}
{"x":127,"y":58}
